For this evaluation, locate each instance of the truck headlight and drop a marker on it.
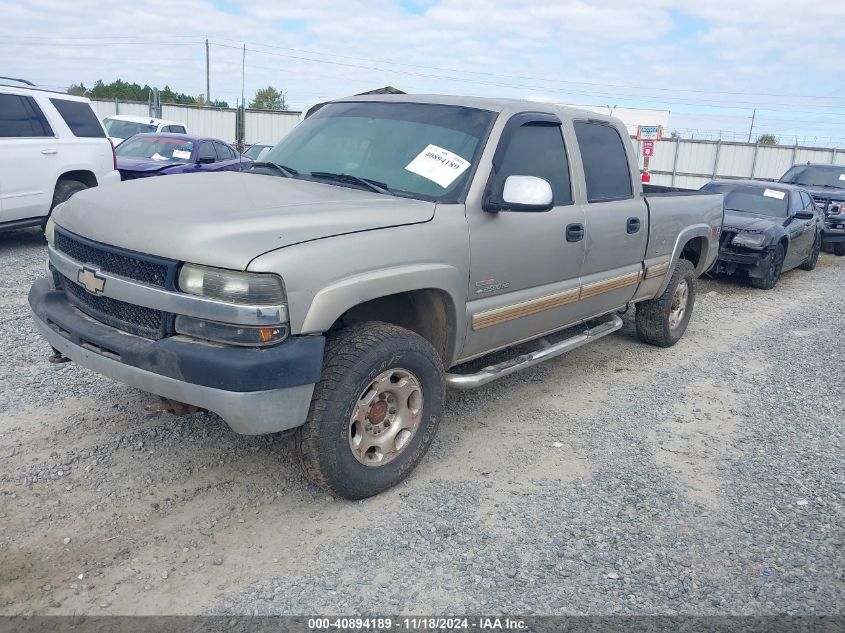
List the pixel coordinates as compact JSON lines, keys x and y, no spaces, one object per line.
{"x":749,"y":240}
{"x":232,"y":286}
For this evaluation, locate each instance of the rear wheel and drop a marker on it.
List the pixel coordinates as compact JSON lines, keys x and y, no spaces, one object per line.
{"x":375,"y":410}
{"x":772,"y":271}
{"x":663,"y":320}
{"x":813,"y":257}
{"x":65,"y":189}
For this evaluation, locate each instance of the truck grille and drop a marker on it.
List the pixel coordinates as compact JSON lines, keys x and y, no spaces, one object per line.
{"x":148,"y":270}
{"x":123,"y":316}
{"x":154,"y":271}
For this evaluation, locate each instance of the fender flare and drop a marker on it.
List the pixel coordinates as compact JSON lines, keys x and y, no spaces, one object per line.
{"x":338,"y":297}
{"x":689,"y":233}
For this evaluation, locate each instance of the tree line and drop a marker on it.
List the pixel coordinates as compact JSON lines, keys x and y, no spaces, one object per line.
{"x":266,"y":98}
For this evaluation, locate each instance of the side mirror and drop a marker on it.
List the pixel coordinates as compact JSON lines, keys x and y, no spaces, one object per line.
{"x":205,"y":160}
{"x":805,"y":215}
{"x":523,"y":193}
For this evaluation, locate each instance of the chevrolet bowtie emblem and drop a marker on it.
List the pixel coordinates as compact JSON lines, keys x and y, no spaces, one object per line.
{"x":90,"y":280}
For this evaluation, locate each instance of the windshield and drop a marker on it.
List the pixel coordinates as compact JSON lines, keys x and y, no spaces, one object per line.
{"x":157,"y":148}
{"x":125,"y":129}
{"x":751,"y":199}
{"x":424,"y":151}
{"x":816,"y":176}
{"x":255,"y":151}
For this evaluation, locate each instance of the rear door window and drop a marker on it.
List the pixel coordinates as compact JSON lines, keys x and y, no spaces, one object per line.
{"x":20,"y":117}
{"x":606,"y":169}
{"x":80,"y":118}
{"x":224,"y":152}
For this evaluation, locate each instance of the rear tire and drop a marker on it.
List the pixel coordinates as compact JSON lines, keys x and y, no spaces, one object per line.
{"x":839,"y":249}
{"x":663,"y":320}
{"x":813,"y":257}
{"x":374,"y":412}
{"x":65,"y":189}
{"x":773,"y":270}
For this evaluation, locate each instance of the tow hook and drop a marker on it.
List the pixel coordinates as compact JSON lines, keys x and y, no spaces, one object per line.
{"x":57,"y":357}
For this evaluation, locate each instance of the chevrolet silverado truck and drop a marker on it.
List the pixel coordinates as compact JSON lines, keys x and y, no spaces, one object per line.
{"x":338,"y":287}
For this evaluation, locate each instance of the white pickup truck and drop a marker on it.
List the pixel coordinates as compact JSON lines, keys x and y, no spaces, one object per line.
{"x":338,"y":286}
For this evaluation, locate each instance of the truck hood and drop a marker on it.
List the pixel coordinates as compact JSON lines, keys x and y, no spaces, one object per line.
{"x":735,"y":220}
{"x":227,"y":219}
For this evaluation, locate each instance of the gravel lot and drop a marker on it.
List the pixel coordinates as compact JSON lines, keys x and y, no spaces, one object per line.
{"x":704,"y":479}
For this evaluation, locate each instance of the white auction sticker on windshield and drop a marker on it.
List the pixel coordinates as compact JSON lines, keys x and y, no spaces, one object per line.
{"x":841,"y":176}
{"x":771,"y":193}
{"x":181,"y":153}
{"x":438,"y":165}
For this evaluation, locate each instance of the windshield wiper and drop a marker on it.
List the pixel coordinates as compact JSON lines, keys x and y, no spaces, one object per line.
{"x":287,"y":172}
{"x":372,"y":185}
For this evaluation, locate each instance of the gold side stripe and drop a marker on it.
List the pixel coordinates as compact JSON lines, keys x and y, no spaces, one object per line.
{"x":607,"y":285}
{"x":658,"y":270}
{"x":524,"y":308}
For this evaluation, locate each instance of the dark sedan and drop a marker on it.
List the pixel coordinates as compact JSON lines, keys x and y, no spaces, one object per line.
{"x":769,"y":228}
{"x":161,"y":154}
{"x":826,"y":183}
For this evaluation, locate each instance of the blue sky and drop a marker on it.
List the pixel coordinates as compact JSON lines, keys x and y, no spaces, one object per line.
{"x":707,"y":61}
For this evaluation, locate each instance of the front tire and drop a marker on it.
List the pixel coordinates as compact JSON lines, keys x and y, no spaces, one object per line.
{"x":813,"y":257}
{"x":374,"y":412}
{"x":839,"y":249}
{"x":773,"y":270}
{"x":663,"y":320}
{"x":65,"y":189}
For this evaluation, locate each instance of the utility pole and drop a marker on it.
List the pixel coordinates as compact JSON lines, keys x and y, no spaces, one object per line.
{"x":751,"y":129}
{"x":207,"y":76}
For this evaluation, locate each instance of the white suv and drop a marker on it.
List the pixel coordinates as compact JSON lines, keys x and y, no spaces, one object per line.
{"x":51,"y":146}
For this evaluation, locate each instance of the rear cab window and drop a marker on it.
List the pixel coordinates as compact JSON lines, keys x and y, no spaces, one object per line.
{"x":80,"y":118}
{"x":606,"y":169}
{"x":20,"y":117}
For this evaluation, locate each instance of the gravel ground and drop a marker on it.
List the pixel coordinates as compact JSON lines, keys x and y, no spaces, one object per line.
{"x":704,"y":479}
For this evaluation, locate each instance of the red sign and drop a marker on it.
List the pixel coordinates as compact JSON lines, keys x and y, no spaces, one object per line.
{"x":648,"y":148}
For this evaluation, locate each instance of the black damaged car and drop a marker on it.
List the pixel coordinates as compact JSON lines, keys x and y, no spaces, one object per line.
{"x":826,"y":183}
{"x":769,"y":228}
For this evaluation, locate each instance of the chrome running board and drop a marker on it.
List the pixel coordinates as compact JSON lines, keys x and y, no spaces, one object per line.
{"x":491,"y":373}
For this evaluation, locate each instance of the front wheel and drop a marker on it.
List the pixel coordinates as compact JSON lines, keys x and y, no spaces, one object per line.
{"x":813,"y":257}
{"x":772,"y":270}
{"x":663,"y":320}
{"x":839,"y":249}
{"x":374,"y":412}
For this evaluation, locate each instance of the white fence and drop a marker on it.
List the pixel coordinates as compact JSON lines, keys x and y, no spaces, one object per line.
{"x":690,"y":164}
{"x":260,"y":126}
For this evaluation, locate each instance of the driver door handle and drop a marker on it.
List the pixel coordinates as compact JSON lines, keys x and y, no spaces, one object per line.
{"x":633,"y":225}
{"x":574,"y":232}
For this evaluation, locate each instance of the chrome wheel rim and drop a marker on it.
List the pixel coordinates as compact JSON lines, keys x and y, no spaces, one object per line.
{"x":386,"y":417}
{"x":679,"y":304}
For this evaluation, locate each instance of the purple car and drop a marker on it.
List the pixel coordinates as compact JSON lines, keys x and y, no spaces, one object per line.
{"x":160,"y":154}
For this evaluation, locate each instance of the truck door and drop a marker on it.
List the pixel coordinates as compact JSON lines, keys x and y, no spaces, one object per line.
{"x":616,"y":215}
{"x":524,"y":266}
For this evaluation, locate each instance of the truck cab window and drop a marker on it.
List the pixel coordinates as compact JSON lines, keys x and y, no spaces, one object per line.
{"x":537,"y":150}
{"x":606,"y":169}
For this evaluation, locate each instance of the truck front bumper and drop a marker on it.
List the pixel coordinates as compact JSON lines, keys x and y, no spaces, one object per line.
{"x":255,"y":390}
